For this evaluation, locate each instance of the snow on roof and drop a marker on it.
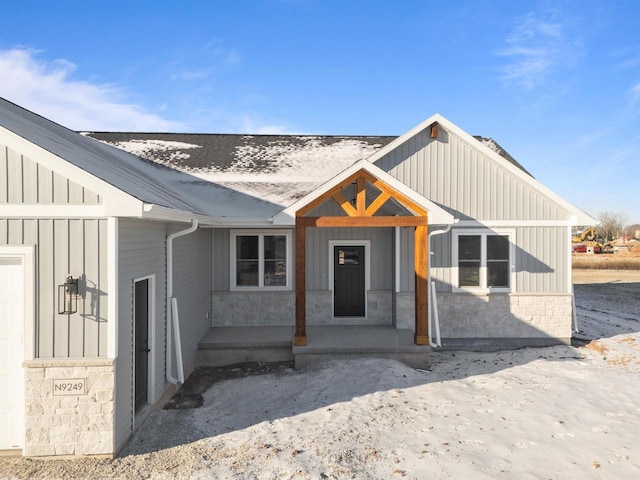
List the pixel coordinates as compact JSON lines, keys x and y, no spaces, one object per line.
{"x":278,"y":169}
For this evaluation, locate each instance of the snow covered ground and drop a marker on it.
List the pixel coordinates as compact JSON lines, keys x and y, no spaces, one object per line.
{"x":557,"y":412}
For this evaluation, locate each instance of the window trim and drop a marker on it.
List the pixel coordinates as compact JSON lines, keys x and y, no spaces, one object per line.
{"x":260,"y":234}
{"x":483,"y":233}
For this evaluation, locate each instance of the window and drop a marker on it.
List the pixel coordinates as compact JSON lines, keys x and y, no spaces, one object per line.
{"x":260,"y":259}
{"x":483,"y":260}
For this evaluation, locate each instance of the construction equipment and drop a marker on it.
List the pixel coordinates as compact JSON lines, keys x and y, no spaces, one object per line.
{"x":588,"y":242}
{"x":587,"y":235}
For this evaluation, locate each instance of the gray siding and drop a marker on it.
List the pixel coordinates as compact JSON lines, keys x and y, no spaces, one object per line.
{"x":76,"y":247}
{"x":25,"y":181}
{"x":454,"y":174}
{"x":221,"y":259}
{"x":542,"y":263}
{"x":541,"y":260}
{"x":141,"y":248}
{"x":142,"y":252}
{"x":192,"y":287}
{"x":382,"y":255}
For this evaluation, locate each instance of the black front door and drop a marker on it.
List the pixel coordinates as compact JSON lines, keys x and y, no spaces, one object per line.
{"x":141,"y":310}
{"x":348,"y":284}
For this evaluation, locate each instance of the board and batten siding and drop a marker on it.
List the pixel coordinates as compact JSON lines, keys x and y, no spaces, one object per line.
{"x":141,"y":253}
{"x":541,"y":263}
{"x":77,"y":247}
{"x":25,"y":181}
{"x":469,"y":184}
{"x":382,"y":255}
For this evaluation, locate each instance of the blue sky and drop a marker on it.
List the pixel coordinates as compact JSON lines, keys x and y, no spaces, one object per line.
{"x":556,"y":83}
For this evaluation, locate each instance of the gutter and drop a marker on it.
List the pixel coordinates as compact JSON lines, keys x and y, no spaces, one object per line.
{"x":173,"y":321}
{"x":433,"y":301}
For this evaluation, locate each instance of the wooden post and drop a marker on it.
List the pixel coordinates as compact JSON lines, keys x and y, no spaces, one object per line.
{"x":421,"y":261}
{"x":300,"y":335}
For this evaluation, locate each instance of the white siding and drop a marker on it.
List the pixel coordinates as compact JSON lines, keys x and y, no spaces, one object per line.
{"x":25,"y":181}
{"x":76,"y":247}
{"x":456,"y":175}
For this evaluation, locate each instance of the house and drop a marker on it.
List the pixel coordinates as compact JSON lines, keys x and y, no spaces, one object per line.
{"x":120,"y":272}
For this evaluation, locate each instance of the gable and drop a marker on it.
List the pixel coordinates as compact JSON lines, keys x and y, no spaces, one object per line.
{"x":30,"y":182}
{"x":469,"y":179}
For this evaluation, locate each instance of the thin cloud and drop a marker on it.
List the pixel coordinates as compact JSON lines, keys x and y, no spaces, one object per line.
{"x":535,"y":47}
{"x":635,"y":94}
{"x":47,"y":88}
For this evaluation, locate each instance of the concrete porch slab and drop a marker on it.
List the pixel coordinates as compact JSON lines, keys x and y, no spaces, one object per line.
{"x":228,"y":345}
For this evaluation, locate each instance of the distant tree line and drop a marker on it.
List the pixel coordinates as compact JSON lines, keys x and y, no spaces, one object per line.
{"x":613,"y":225}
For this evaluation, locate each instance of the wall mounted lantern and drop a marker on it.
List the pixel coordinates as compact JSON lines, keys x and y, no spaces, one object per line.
{"x":68,"y":296}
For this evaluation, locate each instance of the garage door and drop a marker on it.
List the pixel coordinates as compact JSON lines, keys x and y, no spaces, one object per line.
{"x":11,"y":352}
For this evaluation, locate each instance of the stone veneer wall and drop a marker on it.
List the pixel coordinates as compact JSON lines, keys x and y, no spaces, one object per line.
{"x":253,"y":308}
{"x":505,"y":315}
{"x":320,"y":309}
{"x":78,"y":424}
{"x":405,"y":311}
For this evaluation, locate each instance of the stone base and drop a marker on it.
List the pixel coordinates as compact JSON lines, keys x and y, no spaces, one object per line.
{"x":76,"y":424}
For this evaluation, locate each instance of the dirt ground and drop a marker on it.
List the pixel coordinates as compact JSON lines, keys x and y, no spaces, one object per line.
{"x":236,"y":445}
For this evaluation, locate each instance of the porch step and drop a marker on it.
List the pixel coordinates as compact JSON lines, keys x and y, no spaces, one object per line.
{"x":228,"y":345}
{"x":351,"y":341}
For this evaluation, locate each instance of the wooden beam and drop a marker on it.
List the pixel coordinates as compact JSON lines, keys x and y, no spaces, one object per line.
{"x":362,"y":221}
{"x":344,"y":204}
{"x":377,"y":203}
{"x":300,"y":335}
{"x":421,"y":261}
{"x":404,"y":200}
{"x":361,"y":197}
{"x":327,"y":195}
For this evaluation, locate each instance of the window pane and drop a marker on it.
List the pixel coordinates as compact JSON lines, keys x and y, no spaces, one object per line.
{"x":275,"y":273}
{"x":497,"y":247}
{"x":498,"y":273}
{"x":469,"y":247}
{"x":247,"y":273}
{"x":468,"y":274}
{"x":247,"y":247}
{"x":275,"y":261}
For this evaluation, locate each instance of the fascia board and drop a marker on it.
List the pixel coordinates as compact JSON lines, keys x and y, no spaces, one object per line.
{"x":437,"y":215}
{"x":52,"y":211}
{"x":157,"y":212}
{"x":116,"y":200}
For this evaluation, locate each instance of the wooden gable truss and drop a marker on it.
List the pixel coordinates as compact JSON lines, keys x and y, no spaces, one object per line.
{"x":361,"y":215}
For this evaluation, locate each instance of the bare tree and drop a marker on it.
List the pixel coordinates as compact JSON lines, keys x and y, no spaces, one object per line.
{"x":611,"y":225}
{"x":633,"y":230}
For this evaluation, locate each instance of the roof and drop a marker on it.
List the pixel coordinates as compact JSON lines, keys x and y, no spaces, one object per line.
{"x":223,"y":178}
{"x":147,"y":181}
{"x":277,"y":168}
{"x":280,"y":169}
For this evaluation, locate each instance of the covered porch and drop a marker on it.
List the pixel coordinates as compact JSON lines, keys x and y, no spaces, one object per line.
{"x":229,"y":345}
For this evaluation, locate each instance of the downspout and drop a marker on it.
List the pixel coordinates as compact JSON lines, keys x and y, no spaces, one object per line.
{"x":433,"y":290}
{"x":171,"y":304}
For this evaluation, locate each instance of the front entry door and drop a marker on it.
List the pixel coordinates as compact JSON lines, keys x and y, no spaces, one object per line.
{"x":141,"y":302}
{"x":349,"y":281}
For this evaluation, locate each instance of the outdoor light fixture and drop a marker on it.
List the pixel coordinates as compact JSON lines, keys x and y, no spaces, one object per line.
{"x":68,"y":296}
{"x":355,"y":193}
